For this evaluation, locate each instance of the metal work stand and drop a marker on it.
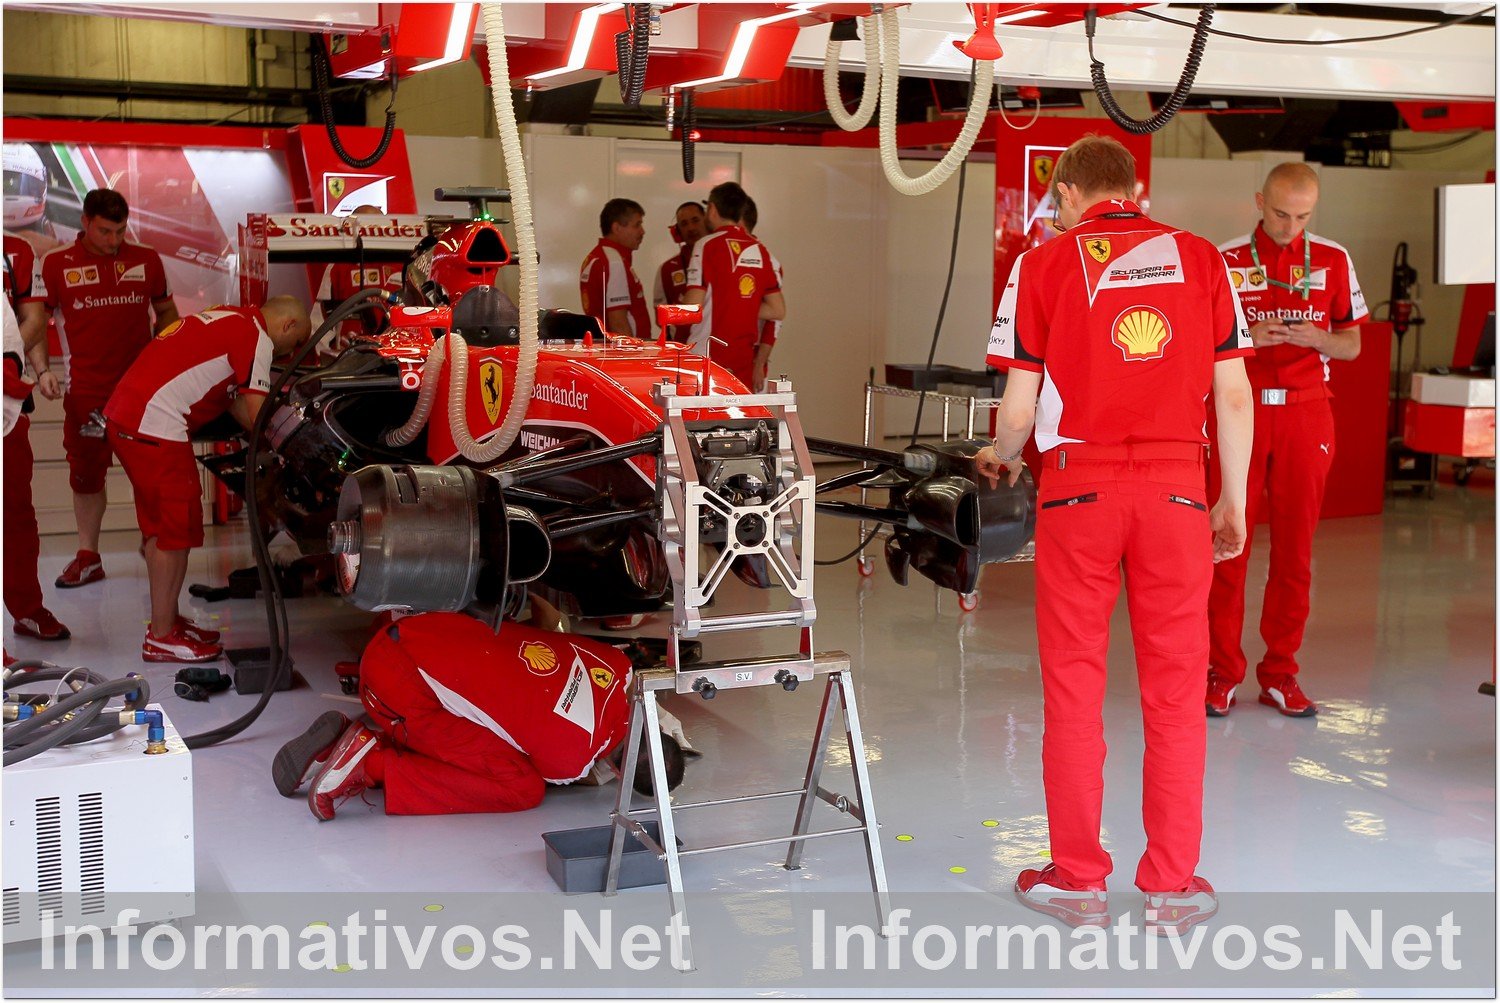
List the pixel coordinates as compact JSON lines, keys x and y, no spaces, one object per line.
{"x":838,"y":699}
{"x":703,"y":462}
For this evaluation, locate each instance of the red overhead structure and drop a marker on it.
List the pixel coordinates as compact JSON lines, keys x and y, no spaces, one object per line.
{"x":419,"y":37}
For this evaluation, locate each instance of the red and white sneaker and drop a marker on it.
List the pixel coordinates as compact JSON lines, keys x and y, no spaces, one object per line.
{"x":86,"y":567}
{"x":1220,"y":695}
{"x":42,"y":625}
{"x":1170,"y":913}
{"x":177,"y":646}
{"x":343,"y":775}
{"x":1045,"y":892}
{"x":1286,"y":696}
{"x":300,"y":759}
{"x":196,"y":632}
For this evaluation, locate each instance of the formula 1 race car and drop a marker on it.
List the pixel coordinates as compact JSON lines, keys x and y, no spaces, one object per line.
{"x":387,"y":457}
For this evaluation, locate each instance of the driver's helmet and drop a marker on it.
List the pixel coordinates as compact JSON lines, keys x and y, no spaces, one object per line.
{"x":25,"y":186}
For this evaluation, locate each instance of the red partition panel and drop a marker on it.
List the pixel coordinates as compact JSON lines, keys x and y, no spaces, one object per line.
{"x":1361,"y":395}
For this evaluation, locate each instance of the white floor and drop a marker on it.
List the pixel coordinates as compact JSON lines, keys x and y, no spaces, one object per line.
{"x":1390,"y":790}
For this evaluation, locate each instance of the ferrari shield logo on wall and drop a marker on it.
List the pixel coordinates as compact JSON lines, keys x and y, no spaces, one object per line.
{"x":336,"y":187}
{"x":491,"y":383}
{"x":1098,"y":249}
{"x":1042,"y":168}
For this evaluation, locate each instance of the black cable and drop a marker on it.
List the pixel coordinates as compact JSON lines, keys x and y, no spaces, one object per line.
{"x":689,"y":150}
{"x":1323,"y":41}
{"x":270,"y":585}
{"x":1174,"y":103}
{"x":72,"y":719}
{"x":937,"y":330}
{"x":862,"y":544}
{"x":1438,"y":147}
{"x":320,"y":62}
{"x":632,"y":49}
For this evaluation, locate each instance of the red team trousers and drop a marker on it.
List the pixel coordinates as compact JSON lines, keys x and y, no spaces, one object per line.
{"x":23,"y":594}
{"x":1139,"y":509}
{"x":1289,"y":466}
{"x":426,"y":741}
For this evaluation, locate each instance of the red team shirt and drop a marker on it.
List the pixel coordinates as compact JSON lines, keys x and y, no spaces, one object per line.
{"x":101,"y":305}
{"x":342,"y":280}
{"x":1117,"y":292}
{"x":1334,"y":302}
{"x":192,"y":372}
{"x":20,"y":261}
{"x":671,"y":283}
{"x":736,"y":272}
{"x":608,"y":282}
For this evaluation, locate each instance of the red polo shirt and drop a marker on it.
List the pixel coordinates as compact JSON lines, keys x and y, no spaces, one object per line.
{"x":191,"y":372}
{"x":671,"y":283}
{"x":102,"y":307}
{"x":1333,"y":301}
{"x":608,"y":282}
{"x":20,"y":260}
{"x":1124,"y":318}
{"x":736,"y":272}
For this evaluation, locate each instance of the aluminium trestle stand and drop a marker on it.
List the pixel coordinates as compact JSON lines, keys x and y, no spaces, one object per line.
{"x":701,"y":478}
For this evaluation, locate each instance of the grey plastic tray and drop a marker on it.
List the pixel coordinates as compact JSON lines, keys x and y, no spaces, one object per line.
{"x":577,"y":859}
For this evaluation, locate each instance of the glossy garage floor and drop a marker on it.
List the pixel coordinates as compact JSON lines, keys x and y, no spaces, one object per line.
{"x":1391,"y":788}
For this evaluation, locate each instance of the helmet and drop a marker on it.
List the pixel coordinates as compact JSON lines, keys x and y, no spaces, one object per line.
{"x":25,"y":185}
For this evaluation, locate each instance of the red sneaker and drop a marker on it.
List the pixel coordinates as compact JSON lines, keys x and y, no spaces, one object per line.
{"x":1045,"y":892}
{"x":196,"y":632}
{"x":86,"y":567}
{"x":1170,"y":913}
{"x":305,"y":755}
{"x":42,"y":625}
{"x":177,"y":646}
{"x":343,"y":776}
{"x":1220,"y":695}
{"x":1286,"y":696}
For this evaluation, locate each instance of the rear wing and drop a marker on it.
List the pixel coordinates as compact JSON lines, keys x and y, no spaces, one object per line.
{"x":305,"y":238}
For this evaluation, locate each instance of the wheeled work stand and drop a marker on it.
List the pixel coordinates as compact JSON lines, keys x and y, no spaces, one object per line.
{"x":699,"y":457}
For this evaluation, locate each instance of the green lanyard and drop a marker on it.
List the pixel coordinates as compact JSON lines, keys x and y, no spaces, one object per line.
{"x":1304,"y":286}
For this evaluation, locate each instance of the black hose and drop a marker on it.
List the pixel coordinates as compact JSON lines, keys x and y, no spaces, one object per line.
{"x":689,"y":158}
{"x":1164,"y":114}
{"x":632,"y":48}
{"x":68,"y":719}
{"x":276,"y":622}
{"x":937,"y":330}
{"x":320,"y":59}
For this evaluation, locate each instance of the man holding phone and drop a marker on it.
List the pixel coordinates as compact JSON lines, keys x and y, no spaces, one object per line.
{"x":1304,"y":306}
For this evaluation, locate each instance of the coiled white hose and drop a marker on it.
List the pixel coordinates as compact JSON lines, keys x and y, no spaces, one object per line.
{"x":871,"y":92}
{"x":520,"y":203}
{"x":890,"y":72}
{"x":430,"y":370}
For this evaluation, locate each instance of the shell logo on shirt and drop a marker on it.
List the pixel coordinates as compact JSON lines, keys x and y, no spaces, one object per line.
{"x":747,"y":286}
{"x":679,"y":277}
{"x":170,"y":329}
{"x":539,"y":658}
{"x":1142,"y":333}
{"x":85,"y":276}
{"x":1237,"y":277}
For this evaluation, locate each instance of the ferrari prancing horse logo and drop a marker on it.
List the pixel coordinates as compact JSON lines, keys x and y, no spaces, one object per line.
{"x":491,"y":380}
{"x":1098,"y":249}
{"x":1041,"y":168}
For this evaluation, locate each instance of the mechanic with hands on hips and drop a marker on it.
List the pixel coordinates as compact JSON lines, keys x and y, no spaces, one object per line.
{"x":200,"y":367}
{"x":1304,"y":303}
{"x":103,"y":291}
{"x":1122,"y":326}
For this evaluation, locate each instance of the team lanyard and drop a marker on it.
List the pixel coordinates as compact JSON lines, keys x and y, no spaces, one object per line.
{"x":1304,"y":286}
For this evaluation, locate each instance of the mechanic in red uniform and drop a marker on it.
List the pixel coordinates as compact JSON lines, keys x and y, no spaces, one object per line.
{"x":671,"y":277}
{"x":469,"y":720}
{"x":732,"y":276}
{"x":342,"y":279}
{"x":769,"y":329}
{"x":607,"y":283}
{"x":194,"y":371}
{"x":1304,"y":306}
{"x":22,"y":590}
{"x":102,"y":290}
{"x":1123,"y":326}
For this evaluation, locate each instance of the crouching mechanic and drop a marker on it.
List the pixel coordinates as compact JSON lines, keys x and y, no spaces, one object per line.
{"x":194,"y":371}
{"x":469,"y":720}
